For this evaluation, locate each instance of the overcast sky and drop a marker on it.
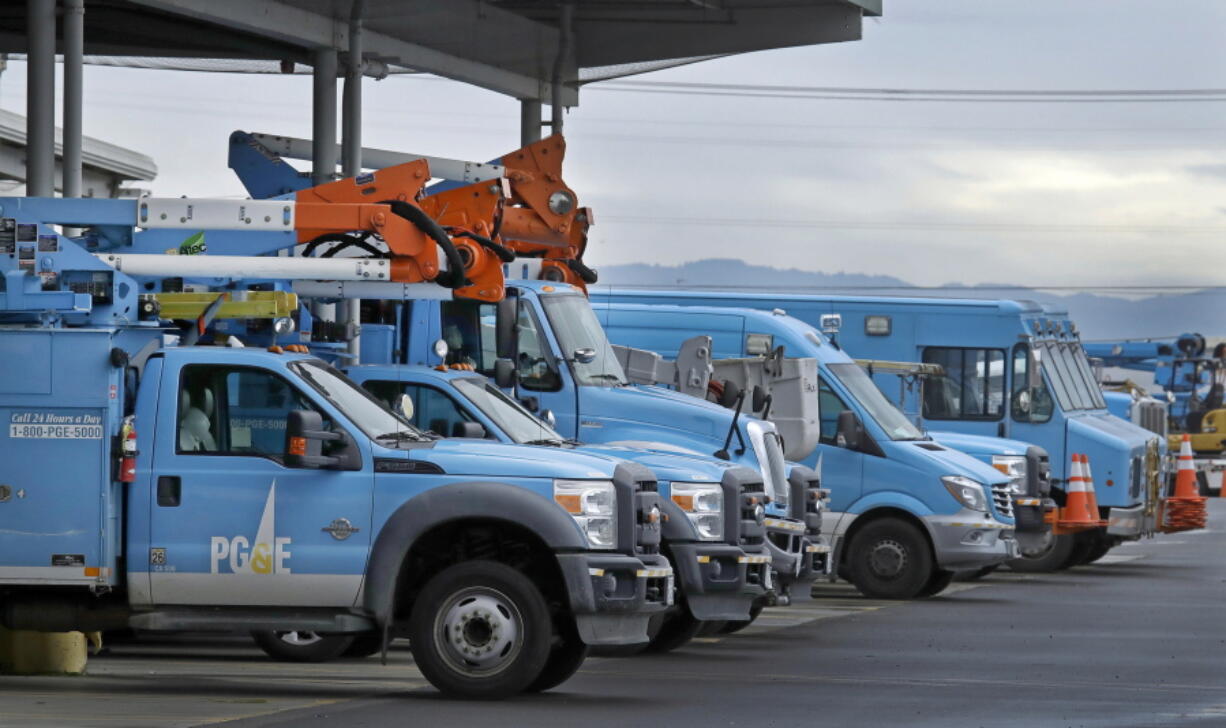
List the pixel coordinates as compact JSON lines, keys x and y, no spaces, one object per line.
{"x":1033,"y":193}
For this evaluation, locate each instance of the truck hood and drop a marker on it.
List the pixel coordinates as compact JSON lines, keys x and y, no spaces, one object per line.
{"x":980,"y":446}
{"x":661,"y":408}
{"x":667,"y":466}
{"x":1116,"y":450}
{"x":923,"y":454}
{"x":484,"y":459}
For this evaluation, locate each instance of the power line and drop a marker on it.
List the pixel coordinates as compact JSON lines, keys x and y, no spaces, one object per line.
{"x":851,"y":93}
{"x":916,"y":225}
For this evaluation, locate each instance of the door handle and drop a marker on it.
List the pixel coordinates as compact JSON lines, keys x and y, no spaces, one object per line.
{"x":170,"y":491}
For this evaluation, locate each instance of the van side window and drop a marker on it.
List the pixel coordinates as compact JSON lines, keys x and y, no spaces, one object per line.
{"x":830,"y":405}
{"x":972,"y":388}
{"x":535,"y":363}
{"x":235,"y":411}
{"x":432,"y":410}
{"x":468,"y":329}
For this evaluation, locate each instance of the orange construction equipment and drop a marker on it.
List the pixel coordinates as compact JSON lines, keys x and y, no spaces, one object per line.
{"x":1080,"y":509}
{"x":1186,"y":509}
{"x":388,"y":204}
{"x":543,"y":218}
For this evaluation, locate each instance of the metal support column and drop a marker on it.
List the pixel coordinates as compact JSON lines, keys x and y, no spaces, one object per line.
{"x":566,"y":21}
{"x":350,"y":312}
{"x":529,"y":121}
{"x":323,"y":117}
{"x":40,"y":98}
{"x":74,"y":53}
{"x":351,"y":111}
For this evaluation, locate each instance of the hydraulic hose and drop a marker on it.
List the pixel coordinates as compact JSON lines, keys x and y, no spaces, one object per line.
{"x":588,"y":275}
{"x":505,"y":254}
{"x":427,"y":225}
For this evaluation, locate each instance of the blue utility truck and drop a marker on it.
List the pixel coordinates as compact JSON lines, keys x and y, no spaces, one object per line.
{"x":544,"y":345}
{"x":1011,"y":369}
{"x":714,"y":532}
{"x":149,"y":482}
{"x":906,"y":512}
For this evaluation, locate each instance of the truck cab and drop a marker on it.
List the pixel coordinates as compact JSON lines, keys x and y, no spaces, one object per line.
{"x":559,"y":365}
{"x":714,"y":534}
{"x":1012,"y":369}
{"x":267,"y":491}
{"x":894,"y":491}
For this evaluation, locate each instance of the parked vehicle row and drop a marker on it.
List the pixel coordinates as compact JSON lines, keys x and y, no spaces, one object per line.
{"x":333,"y":417}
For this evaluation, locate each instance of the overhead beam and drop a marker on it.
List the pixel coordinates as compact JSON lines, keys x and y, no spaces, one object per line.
{"x":290,"y":25}
{"x":609,"y":38}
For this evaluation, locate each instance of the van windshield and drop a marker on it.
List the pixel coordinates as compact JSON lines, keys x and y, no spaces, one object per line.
{"x":509,"y":415}
{"x":370,"y":416}
{"x":576,"y":327}
{"x":888,"y":417}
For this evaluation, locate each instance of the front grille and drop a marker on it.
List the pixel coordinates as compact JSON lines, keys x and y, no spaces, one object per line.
{"x":1003,"y":499}
{"x":1151,"y":415}
{"x":791,"y":543}
{"x":751,"y":533}
{"x":647,"y":532}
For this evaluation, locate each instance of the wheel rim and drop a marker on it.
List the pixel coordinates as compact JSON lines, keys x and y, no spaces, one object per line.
{"x":888,"y":559}
{"x":1045,"y":546}
{"x":299,"y":639}
{"x":479,"y":631}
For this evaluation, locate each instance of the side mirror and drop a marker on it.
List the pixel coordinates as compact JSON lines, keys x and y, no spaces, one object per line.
{"x":758,"y":398}
{"x":1034,"y":373}
{"x":549,"y":419}
{"x":504,"y":327}
{"x":470,"y":430}
{"x":304,"y":438}
{"x":404,"y":406}
{"x":731,"y":392}
{"x":504,"y":373}
{"x":851,"y":431}
{"x":585,"y":355}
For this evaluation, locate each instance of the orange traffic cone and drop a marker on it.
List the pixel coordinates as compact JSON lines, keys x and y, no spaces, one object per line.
{"x":1091,"y":495}
{"x":1185,"y":510}
{"x":1080,"y":511}
{"x":1221,"y":490}
{"x":1185,"y":477}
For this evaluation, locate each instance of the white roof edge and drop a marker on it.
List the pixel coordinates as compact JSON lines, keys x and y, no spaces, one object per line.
{"x":96,"y":153}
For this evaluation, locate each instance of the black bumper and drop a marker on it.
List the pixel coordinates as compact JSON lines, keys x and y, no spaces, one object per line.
{"x":612,"y":596}
{"x":719,"y":581}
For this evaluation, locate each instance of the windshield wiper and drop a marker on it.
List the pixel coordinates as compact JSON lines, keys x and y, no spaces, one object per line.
{"x":399,"y":435}
{"x":551,"y":441}
{"x":602,"y":375}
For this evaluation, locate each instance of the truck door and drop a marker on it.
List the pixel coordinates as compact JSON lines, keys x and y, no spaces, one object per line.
{"x":231,"y":524}
{"x":541,"y":381}
{"x":842,"y":469}
{"x":1032,"y":406}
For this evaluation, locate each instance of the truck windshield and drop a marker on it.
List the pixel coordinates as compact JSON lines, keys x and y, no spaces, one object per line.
{"x":1073,"y":390}
{"x":888,"y":417}
{"x":576,"y":327}
{"x":356,"y":403}
{"x":517,"y":422}
{"x":1077,"y":354}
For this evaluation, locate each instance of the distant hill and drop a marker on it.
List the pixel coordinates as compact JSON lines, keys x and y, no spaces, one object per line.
{"x":1097,"y":316}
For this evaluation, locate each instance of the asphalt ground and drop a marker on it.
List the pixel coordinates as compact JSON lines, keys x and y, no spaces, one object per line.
{"x":1138,"y":639}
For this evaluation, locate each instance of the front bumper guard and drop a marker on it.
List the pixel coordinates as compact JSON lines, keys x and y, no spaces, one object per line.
{"x":612,"y":596}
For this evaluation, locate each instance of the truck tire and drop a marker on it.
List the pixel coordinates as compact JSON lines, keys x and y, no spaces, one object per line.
{"x":890,"y":559}
{"x":1051,"y":558}
{"x":939,"y":582}
{"x":365,"y":644}
{"x":732,"y":627}
{"x":676,"y":629}
{"x":565,"y":658}
{"x":977,"y":574}
{"x":1098,"y":550}
{"x":480,"y":629}
{"x":302,"y":646}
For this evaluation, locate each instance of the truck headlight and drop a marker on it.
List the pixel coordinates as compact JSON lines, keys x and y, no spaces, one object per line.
{"x":593,"y":505}
{"x":703,"y":504}
{"x":1013,"y":466}
{"x":968,"y":492}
